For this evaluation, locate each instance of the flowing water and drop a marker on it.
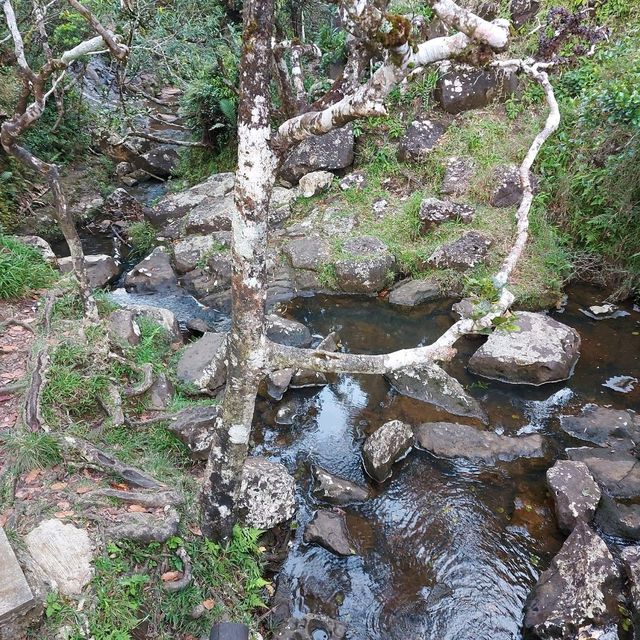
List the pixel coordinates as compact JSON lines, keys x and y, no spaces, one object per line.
{"x":447,"y":549}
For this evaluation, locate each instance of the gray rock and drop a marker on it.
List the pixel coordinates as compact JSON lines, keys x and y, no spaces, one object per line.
{"x":308,"y":253}
{"x":434,"y":212}
{"x":464,"y":87}
{"x":615,"y":518}
{"x":62,"y":554}
{"x":123,"y":329}
{"x":160,"y":161}
{"x":212,"y":216}
{"x":119,"y":205}
{"x":276,"y":383}
{"x":329,"y":530}
{"x":431,"y":384}
{"x":391,"y":442}
{"x":202,"y":363}
{"x":542,"y":351}
{"x":145,"y":527}
{"x":312,"y":626}
{"x":354,"y":180}
{"x":367,"y":267}
{"x":617,"y":472}
{"x":154,"y":273}
{"x":315,"y":182}
{"x":19,"y":606}
{"x":195,"y":250}
{"x":280,"y":205}
{"x":409,"y":293}
{"x":101,"y":269}
{"x":160,"y":394}
{"x":522,"y":11}
{"x":575,"y":493}
{"x":508,"y":189}
{"x":462,"y":254}
{"x":458,"y":172}
{"x":213,"y":278}
{"x":328,"y":152}
{"x":41,"y":245}
{"x":267,"y":493}
{"x":421,"y":138}
{"x":631,"y":563}
{"x":196,"y":428}
{"x":463,"y":441}
{"x":165,"y":318}
{"x":287,"y":332}
{"x":304,"y":378}
{"x":337,"y":490}
{"x":579,"y":588}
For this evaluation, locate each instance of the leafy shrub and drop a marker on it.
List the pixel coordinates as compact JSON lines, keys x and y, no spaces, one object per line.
{"x":142,"y":237}
{"x":22,"y":269}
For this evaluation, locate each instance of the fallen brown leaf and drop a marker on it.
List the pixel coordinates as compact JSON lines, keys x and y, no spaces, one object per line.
{"x":209,"y":604}
{"x":137,"y":508}
{"x":171,"y":576}
{"x":119,"y":485}
{"x":32,"y":476}
{"x":63,"y":514}
{"x":83,"y":489}
{"x":59,"y":486}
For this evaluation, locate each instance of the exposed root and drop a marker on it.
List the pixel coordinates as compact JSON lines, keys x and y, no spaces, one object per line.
{"x":17,"y":323}
{"x":145,"y":385}
{"x":182,"y":583}
{"x":155,"y":499}
{"x":114,"y":406}
{"x":32,"y":415}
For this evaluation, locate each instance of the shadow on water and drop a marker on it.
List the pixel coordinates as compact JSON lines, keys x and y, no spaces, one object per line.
{"x":447,"y":549}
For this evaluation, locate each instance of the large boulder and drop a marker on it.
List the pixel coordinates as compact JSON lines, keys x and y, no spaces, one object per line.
{"x":328,"y":152}
{"x":203,"y":362}
{"x":578,"y":589}
{"x":329,"y":530}
{"x":195,"y":250}
{"x":214,"y":277}
{"x":101,"y":268}
{"x":41,"y":245}
{"x":409,"y":293}
{"x":463,"y":87}
{"x":421,"y":137}
{"x":63,"y":554}
{"x":211,"y":216}
{"x":618,"y":518}
{"x":160,"y":161}
{"x":310,"y":253}
{"x":458,"y":172}
{"x":267,"y":493}
{"x":575,"y":493}
{"x":154,"y":273}
{"x":541,"y":351}
{"x":462,"y":254}
{"x":463,"y":441}
{"x":432,"y":384}
{"x":366,"y":266}
{"x":287,"y":332}
{"x":164,"y":317}
{"x":434,"y":212}
{"x":337,"y":490}
{"x":197,"y":430}
{"x":383,"y":448}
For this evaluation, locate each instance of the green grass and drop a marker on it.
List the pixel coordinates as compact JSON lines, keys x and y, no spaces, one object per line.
{"x":22,"y":269}
{"x":142,"y":237}
{"x":154,"y":346}
{"x":29,"y":450}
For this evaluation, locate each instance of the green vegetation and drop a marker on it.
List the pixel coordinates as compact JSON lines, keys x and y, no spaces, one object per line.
{"x":28,"y":450}
{"x":142,"y":237}
{"x":22,"y":269}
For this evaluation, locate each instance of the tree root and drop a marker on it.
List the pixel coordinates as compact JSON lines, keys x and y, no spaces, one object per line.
{"x":155,"y":499}
{"x":114,"y":406}
{"x":145,"y":385}
{"x":182,"y":583}
{"x":14,"y":387}
{"x":17,"y":323}
{"x":32,"y":415}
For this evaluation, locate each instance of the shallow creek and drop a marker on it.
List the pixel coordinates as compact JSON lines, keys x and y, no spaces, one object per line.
{"x":446,"y":549}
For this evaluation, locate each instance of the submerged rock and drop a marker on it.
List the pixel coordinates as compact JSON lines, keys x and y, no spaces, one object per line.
{"x":579,"y":588}
{"x":434,"y":212}
{"x":463,"y":441}
{"x":542,"y":351}
{"x":391,"y":442}
{"x":197,"y":429}
{"x":615,"y":518}
{"x":575,"y":493}
{"x":432,"y":384}
{"x":312,"y":626}
{"x":154,"y":273}
{"x":367,"y":267}
{"x":421,"y":137}
{"x":409,"y":293}
{"x":329,"y":530}
{"x":462,"y":254}
{"x":202,"y":363}
{"x":267,"y":493}
{"x":101,"y":269}
{"x":337,"y":490}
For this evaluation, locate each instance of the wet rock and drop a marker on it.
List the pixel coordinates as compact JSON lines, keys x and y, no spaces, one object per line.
{"x":145,"y":527}
{"x":312,"y":626}
{"x":41,"y":245}
{"x":160,"y":394}
{"x":202,"y":363}
{"x":462,"y":254}
{"x":409,"y":293}
{"x":508,"y":189}
{"x":195,"y":250}
{"x":617,"y":472}
{"x":119,"y":205}
{"x":154,"y":273}
{"x":434,"y":212}
{"x":367,"y":267}
{"x":123,"y":329}
{"x":579,"y":588}
{"x":62,"y":554}
{"x":617,"y":429}
{"x":276,"y":383}
{"x":463,"y":441}
{"x":19,"y":607}
{"x":315,"y":182}
{"x":212,"y":216}
{"x":329,"y":530}
{"x":522,"y":11}
{"x":391,"y":442}
{"x":287,"y":332}
{"x":164,"y":317}
{"x":305,"y":378}
{"x":328,"y":152}
{"x":220,"y":301}
{"x":463,"y":87}
{"x":198,"y":326}
{"x":267,"y":493}
{"x":355,"y":180}
{"x":337,"y":490}
{"x":615,"y":518}
{"x":308,"y":253}
{"x":196,"y":428}
{"x":575,"y":493}
{"x":621,"y":384}
{"x":421,"y":137}
{"x":160,"y":162}
{"x":213,"y":278}
{"x":631,"y":564}
{"x":458,"y":172}
{"x":101,"y":269}
{"x":542,"y":351}
{"x":431,"y":384}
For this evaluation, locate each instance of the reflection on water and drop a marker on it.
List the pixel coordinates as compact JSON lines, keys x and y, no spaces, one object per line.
{"x":446,"y":549}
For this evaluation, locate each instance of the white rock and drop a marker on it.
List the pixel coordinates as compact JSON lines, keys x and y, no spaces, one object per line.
{"x":315,"y":182}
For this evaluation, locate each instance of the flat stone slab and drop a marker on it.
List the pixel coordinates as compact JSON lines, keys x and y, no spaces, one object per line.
{"x":16,"y":597}
{"x":618,"y":429}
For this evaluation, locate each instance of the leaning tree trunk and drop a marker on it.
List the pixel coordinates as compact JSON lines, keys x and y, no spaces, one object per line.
{"x":254,"y":183}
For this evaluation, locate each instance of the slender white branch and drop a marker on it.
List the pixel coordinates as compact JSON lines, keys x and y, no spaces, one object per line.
{"x":18,"y":43}
{"x":84,"y":48}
